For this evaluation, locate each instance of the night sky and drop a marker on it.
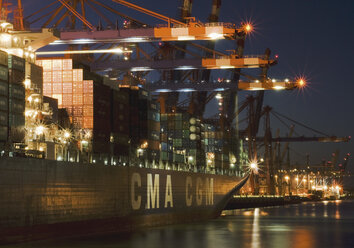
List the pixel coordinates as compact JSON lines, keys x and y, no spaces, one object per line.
{"x":314,"y":38}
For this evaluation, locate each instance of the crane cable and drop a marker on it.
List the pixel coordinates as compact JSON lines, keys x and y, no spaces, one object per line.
{"x":303,"y":125}
{"x":72,"y":10}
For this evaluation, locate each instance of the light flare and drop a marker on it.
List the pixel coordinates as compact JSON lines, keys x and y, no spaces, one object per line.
{"x":247,"y":27}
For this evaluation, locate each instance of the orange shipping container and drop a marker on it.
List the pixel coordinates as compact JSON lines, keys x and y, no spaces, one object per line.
{"x":88,"y":86}
{"x":88,"y":110}
{"x":39,"y":62}
{"x":77,"y":121}
{"x":47,"y":76}
{"x":67,"y":99}
{"x":88,"y":122}
{"x":78,"y":87}
{"x":57,"y":88}
{"x":68,"y":76}
{"x":67,"y":64}
{"x":47,"y":89}
{"x":47,"y":65}
{"x":57,"y":64}
{"x":57,"y":76}
{"x":68,"y":88}
{"x":77,"y":111}
{"x":77,"y":99}
{"x":77,"y":75}
{"x":88,"y":98}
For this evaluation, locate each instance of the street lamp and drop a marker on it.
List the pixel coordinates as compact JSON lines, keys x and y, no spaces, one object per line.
{"x":287,"y":182}
{"x":254,"y":167}
{"x":190,"y":161}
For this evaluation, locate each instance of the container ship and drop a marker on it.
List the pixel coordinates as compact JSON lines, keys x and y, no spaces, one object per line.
{"x":81,"y":156}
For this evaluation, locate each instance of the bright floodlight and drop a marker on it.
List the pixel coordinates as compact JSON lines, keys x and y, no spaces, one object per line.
{"x":39,"y":130}
{"x":248,"y":28}
{"x":301,"y":82}
{"x":67,"y":134}
{"x":253,"y":165}
{"x":215,"y":36}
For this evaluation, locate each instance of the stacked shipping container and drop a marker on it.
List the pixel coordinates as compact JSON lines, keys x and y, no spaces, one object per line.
{"x":87,"y":102}
{"x":144,"y":123}
{"x":4,"y":97}
{"x":181,"y":139}
{"x":216,"y":146}
{"x":120,"y":124}
{"x":12,"y":98}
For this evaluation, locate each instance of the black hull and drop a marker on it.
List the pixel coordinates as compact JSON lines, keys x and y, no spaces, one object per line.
{"x":43,"y":199}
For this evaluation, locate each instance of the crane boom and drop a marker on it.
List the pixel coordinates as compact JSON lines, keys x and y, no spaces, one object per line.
{"x":149,"y":12}
{"x":334,"y":139}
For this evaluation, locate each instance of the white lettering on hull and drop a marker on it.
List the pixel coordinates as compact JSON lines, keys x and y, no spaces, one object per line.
{"x":135,"y":200}
{"x":153,"y":192}
{"x":202,"y":190}
{"x":209,"y":191}
{"x":189,"y":196}
{"x":199,"y":191}
{"x":168,"y":192}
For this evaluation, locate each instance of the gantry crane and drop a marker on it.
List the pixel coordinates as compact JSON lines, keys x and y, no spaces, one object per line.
{"x":270,"y":164}
{"x":17,"y":13}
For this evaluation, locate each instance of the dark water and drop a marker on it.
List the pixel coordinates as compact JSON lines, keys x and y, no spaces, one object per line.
{"x":320,"y":224}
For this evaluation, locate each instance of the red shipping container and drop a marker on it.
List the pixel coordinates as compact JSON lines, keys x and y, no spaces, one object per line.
{"x":77,"y":87}
{"x":68,"y":88}
{"x":77,"y":99}
{"x":68,"y":76}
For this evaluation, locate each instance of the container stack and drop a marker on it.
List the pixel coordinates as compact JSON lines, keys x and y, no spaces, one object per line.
{"x":216,"y":145}
{"x":144,"y":122}
{"x":16,"y":104}
{"x":181,"y":139}
{"x":35,"y":74}
{"x":149,"y":112}
{"x":86,"y":101}
{"x":120,"y":125}
{"x":101,"y":105}
{"x":4,"y":97}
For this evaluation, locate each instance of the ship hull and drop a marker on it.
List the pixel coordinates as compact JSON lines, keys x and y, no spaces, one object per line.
{"x":44,"y":199}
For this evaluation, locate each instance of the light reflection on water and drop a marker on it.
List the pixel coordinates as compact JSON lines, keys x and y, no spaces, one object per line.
{"x":307,"y":225}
